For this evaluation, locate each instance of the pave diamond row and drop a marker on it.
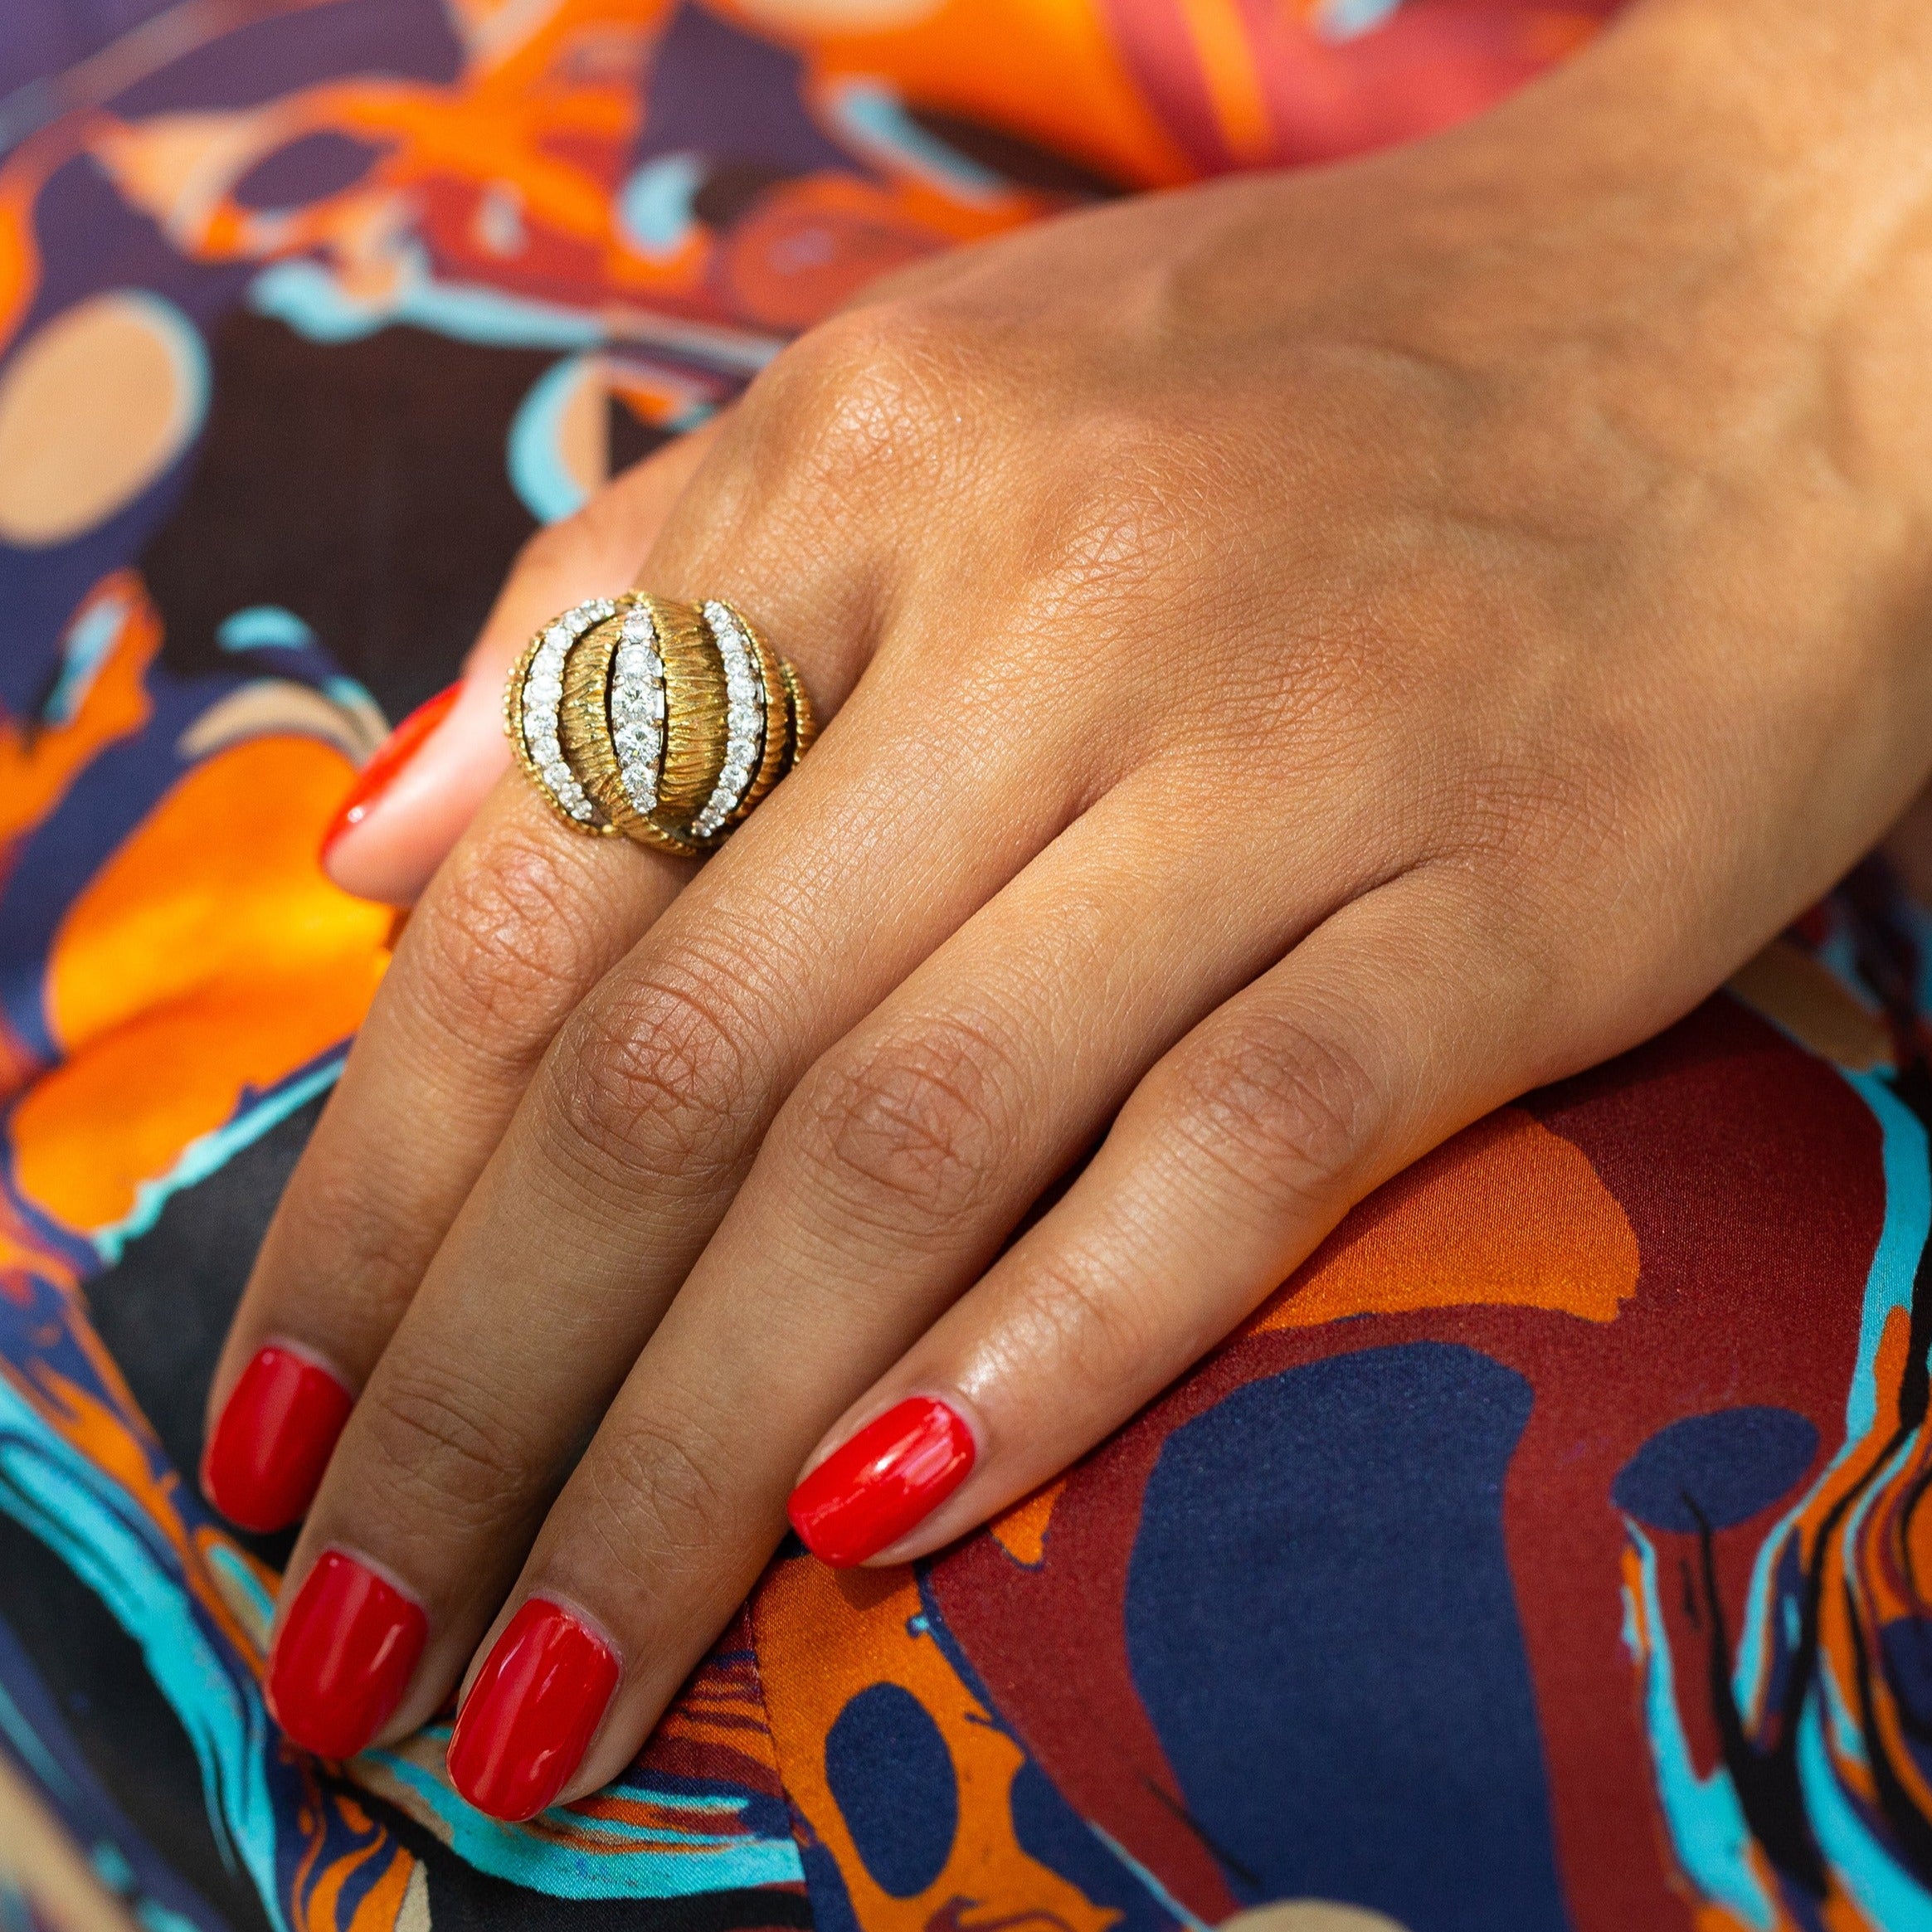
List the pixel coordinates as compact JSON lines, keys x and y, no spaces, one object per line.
{"x":543,"y":698}
{"x":744,"y":719}
{"x":637,"y":709}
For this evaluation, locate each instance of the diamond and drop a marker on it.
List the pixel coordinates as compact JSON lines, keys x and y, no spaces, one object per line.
{"x":636,"y":705}
{"x":744,"y":721}
{"x":543,"y":697}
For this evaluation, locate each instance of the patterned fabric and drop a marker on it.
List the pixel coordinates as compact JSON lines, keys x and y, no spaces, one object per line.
{"x":1546,"y":1553}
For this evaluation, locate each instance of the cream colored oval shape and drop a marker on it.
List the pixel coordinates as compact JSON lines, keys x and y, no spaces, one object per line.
{"x":94,"y":406}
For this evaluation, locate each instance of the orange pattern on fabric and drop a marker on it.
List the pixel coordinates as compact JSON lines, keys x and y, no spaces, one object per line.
{"x":555,"y":116}
{"x":1505,"y":1214}
{"x":26,"y":1260}
{"x":37,"y":764}
{"x":208,"y":958}
{"x":1067,"y":89}
{"x":121,"y":1449}
{"x":1227,"y":54}
{"x":1021,"y":1531}
{"x":21,"y":182}
{"x":721,"y":1708}
{"x":823,"y":1636}
{"x":321,"y":1883}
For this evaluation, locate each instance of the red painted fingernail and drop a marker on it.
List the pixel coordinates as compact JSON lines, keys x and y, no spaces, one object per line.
{"x":343,"y":1657}
{"x":871,"y":1490}
{"x":391,"y":756}
{"x":265,"y":1460}
{"x":532,"y":1712}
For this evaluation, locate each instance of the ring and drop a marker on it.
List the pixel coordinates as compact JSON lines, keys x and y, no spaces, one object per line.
{"x":666,"y":723}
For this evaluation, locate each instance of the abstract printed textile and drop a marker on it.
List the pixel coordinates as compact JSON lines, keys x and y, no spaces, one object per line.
{"x":1545,"y":1554}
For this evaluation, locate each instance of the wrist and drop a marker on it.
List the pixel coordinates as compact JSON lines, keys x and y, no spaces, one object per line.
{"x":1711,"y":232}
{"x":1775,"y":152}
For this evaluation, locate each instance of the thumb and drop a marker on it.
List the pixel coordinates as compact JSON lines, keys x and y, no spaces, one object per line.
{"x":411,"y":802}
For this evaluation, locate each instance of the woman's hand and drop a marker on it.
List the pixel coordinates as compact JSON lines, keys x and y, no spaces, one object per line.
{"x":1312,"y":658}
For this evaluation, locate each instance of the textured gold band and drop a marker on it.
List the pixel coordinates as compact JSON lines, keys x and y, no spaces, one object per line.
{"x":663,"y":721}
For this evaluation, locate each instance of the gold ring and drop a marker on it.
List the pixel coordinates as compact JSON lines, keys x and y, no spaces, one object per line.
{"x":666,"y":723}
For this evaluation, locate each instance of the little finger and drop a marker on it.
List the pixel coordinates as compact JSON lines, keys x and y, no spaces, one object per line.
{"x":1397,"y":1021}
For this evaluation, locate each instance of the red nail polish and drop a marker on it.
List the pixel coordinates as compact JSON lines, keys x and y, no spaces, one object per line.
{"x":884,"y":1482}
{"x":391,"y":756}
{"x":265,"y":1460}
{"x":342,"y":1657}
{"x":532,"y":1712}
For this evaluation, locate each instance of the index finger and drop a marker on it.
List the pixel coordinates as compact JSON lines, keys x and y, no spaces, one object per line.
{"x":523,"y":919}
{"x":520,"y":922}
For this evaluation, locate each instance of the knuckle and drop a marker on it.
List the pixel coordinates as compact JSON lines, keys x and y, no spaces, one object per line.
{"x":549,"y":549}
{"x":905,"y":1132}
{"x":349,"y":1237}
{"x":655,"y":1495}
{"x":1287,"y":1107}
{"x":443,"y":1447}
{"x":605,"y":532}
{"x":1113,"y":550}
{"x":652,"y":1082}
{"x":604,"y":538}
{"x":608,"y":533}
{"x":1125,"y":501}
{"x":503,"y":943}
{"x":864,"y":389}
{"x":1098,"y":1325}
{"x":1519,"y":809}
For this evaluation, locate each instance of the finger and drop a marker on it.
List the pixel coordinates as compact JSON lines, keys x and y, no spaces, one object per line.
{"x":642,"y":1123}
{"x":522,"y":921}
{"x":886,"y":1184}
{"x":412,"y":799}
{"x":1400,"y":1020}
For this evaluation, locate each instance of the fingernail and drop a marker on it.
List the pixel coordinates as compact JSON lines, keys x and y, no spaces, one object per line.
{"x":532,"y":1712}
{"x":343,"y":1657}
{"x":884,"y":1482}
{"x":272,"y":1442}
{"x":391,"y":756}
